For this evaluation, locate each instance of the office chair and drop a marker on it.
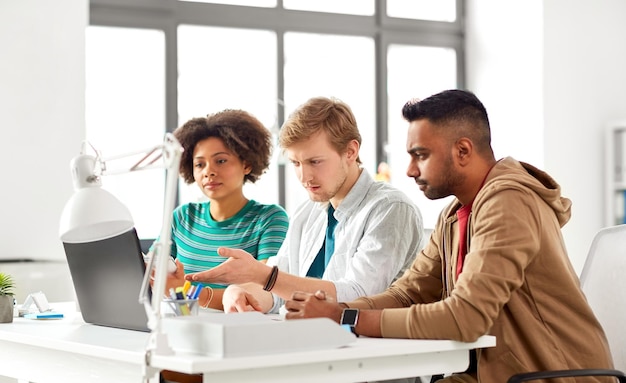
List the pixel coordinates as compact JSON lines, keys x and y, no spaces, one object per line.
{"x":603,"y":281}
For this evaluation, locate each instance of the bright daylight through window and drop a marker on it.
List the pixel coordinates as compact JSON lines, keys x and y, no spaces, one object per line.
{"x":152,"y":66}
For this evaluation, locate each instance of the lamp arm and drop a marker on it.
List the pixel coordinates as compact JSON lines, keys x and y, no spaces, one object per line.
{"x":148,"y":161}
{"x":171,"y":152}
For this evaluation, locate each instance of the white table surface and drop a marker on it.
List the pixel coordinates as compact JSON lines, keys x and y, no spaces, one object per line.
{"x":70,"y":350}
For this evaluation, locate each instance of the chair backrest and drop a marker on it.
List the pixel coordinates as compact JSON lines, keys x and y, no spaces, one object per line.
{"x":603,"y":279}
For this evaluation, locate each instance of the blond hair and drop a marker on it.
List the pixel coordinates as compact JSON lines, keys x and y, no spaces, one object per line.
{"x":330,"y":115}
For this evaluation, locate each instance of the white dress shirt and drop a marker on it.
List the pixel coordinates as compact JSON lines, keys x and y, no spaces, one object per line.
{"x":379,"y":232}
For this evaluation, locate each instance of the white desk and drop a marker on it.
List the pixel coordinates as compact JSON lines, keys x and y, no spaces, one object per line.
{"x":69,"y":350}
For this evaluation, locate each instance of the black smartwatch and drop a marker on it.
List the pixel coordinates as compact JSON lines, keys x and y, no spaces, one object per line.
{"x":349,"y":319}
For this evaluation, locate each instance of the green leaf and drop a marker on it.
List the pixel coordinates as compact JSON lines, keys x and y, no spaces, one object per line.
{"x":7,"y":284}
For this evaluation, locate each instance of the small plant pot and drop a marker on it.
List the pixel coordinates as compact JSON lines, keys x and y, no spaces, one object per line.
{"x":6,"y":308}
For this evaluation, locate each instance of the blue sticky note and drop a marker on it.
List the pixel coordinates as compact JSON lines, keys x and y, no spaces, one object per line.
{"x":45,"y":315}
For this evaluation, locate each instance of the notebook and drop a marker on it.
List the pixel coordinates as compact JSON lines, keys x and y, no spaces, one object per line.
{"x":107,"y":277}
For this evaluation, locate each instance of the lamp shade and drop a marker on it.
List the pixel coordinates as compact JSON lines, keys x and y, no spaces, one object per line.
{"x":93,"y":214}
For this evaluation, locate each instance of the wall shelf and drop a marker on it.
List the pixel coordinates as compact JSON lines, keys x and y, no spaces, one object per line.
{"x":615,"y":168}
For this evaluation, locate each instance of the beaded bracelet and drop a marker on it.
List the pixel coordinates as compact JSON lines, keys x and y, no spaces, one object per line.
{"x":208,"y":302}
{"x":272,"y":279}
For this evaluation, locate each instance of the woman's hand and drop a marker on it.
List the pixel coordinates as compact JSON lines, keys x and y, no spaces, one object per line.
{"x":175,"y":279}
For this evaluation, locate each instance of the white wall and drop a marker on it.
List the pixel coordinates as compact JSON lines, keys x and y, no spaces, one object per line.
{"x":42,"y":120}
{"x":42,"y":87}
{"x":504,"y":69}
{"x":558,"y":65}
{"x":585,"y":56}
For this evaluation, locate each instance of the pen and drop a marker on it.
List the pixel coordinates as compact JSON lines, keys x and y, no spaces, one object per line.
{"x":48,"y":315}
{"x":186,"y":287}
{"x":196,"y":293}
{"x":174,"y":299}
{"x":190,"y":292}
{"x":184,"y":309}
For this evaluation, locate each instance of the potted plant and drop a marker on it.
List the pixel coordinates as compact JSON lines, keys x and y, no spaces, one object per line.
{"x":7,"y":286}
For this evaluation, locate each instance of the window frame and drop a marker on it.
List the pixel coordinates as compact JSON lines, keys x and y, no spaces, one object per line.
{"x":166,"y":15}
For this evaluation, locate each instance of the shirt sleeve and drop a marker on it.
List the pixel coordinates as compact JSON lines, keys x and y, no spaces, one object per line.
{"x":391,"y":239}
{"x":281,"y":260}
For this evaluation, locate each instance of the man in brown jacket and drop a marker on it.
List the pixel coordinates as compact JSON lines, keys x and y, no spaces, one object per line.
{"x":495,"y":264}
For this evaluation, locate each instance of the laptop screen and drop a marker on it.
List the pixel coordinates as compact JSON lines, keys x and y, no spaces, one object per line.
{"x":107,"y":277}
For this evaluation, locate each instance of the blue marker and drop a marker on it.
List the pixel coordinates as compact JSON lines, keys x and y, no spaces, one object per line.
{"x":46,"y":315}
{"x":196,"y":293}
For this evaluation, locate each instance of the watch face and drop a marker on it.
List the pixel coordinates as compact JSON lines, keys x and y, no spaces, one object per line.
{"x":349,"y":316}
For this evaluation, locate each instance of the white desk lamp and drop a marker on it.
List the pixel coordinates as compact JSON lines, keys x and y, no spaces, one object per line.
{"x":93,"y":214}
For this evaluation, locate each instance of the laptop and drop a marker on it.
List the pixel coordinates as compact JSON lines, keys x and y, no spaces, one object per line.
{"x":107,"y":277}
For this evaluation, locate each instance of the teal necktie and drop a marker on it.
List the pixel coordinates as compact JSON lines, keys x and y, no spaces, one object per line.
{"x":328,"y":247}
{"x":330,"y":235}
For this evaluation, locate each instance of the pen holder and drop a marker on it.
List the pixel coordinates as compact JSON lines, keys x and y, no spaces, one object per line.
{"x":181,"y":307}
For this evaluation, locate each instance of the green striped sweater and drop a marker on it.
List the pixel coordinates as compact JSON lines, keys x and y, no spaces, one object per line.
{"x":257,"y":228}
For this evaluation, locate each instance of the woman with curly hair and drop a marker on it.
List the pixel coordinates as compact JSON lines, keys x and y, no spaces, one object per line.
{"x":222,"y":152}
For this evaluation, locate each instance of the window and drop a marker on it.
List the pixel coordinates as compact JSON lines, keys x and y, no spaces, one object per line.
{"x":317,"y":65}
{"x":250,"y":3}
{"x":165,"y":62}
{"x":351,"y":7}
{"x":436,"y":10}
{"x":414,"y":72}
{"x":222,"y":68}
{"x":125,"y":113}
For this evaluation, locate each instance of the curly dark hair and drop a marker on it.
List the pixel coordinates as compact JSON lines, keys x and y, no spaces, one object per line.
{"x":241,"y":132}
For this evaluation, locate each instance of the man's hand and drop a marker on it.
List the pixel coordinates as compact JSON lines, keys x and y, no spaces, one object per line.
{"x":317,"y":305}
{"x":240,"y":267}
{"x":237,"y":299}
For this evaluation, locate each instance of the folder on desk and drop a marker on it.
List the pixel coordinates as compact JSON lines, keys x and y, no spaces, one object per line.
{"x":251,"y":333}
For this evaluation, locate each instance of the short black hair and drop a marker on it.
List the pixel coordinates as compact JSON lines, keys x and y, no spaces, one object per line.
{"x":458,"y":110}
